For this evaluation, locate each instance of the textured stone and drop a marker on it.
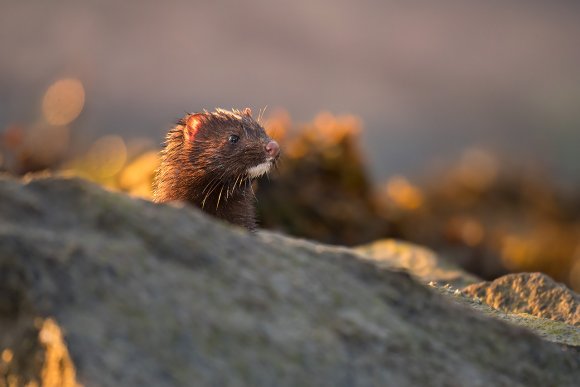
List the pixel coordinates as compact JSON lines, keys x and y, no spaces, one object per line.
{"x":532,"y":293}
{"x":159,"y":295}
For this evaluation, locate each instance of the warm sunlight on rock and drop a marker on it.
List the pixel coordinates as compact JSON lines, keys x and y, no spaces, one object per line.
{"x":63,"y":101}
{"x":107,"y":156}
{"x":58,"y":369}
{"x":403,"y":193}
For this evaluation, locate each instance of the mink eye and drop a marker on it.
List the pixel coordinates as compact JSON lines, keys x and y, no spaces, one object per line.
{"x":233,"y":138}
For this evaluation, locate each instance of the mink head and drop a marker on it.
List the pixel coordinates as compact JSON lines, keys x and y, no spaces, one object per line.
{"x":213,"y":153}
{"x":210,"y":160}
{"x":227,"y":145}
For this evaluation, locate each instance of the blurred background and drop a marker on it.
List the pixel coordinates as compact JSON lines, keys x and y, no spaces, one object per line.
{"x":452,"y":124}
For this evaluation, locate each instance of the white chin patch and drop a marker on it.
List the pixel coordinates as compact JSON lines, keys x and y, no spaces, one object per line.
{"x":259,"y":169}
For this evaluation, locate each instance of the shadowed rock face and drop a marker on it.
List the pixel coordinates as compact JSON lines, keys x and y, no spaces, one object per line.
{"x":156,"y":295}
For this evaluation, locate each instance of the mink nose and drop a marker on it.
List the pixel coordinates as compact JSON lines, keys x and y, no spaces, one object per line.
{"x":273,"y":149}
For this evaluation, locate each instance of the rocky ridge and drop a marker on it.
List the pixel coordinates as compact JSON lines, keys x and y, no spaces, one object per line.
{"x":100,"y":289}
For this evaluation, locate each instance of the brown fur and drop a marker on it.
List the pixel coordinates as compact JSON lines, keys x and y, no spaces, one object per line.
{"x":207,"y":170}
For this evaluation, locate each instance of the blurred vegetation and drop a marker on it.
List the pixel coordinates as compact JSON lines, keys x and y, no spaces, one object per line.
{"x":321,"y":190}
{"x":482,"y":213}
{"x":487,"y":215}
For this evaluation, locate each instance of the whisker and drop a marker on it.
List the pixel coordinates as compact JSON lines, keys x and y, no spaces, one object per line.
{"x":213,"y":187}
{"x":208,"y":184}
{"x":252,"y":190}
{"x":217,"y":184}
{"x":203,"y":202}
{"x":241,"y":180}
{"x":235,"y":182}
{"x":219,"y":197}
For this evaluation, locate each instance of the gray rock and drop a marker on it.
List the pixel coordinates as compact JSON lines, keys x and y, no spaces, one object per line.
{"x":555,"y":331}
{"x":532,"y":301}
{"x":104,"y":290}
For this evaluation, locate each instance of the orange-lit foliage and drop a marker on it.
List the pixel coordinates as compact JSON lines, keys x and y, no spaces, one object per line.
{"x":321,"y":190}
{"x":127,"y":167}
{"x":492,"y":219}
{"x":487,"y":216}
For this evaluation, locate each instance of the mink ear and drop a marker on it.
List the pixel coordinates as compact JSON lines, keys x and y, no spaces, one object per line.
{"x":248,"y":112}
{"x":192,"y":124}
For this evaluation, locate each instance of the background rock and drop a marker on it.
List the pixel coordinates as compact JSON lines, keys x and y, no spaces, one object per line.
{"x":558,"y":332}
{"x":532,"y":293}
{"x":160,"y":295}
{"x":421,"y":262}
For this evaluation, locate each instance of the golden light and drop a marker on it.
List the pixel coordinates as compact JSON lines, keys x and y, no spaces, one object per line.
{"x":295,"y":150}
{"x":516,"y":252}
{"x":57,"y":368}
{"x":7,"y":356}
{"x":330,"y":130}
{"x":403,"y":193}
{"x":575,"y":272}
{"x":63,"y":101}
{"x":277,"y":125}
{"x":136,"y":178}
{"x":107,"y":156}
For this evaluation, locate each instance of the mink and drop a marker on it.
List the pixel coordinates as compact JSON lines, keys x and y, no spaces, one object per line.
{"x":210,"y":160}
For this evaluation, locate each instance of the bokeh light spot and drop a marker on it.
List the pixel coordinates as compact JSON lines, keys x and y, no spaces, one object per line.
{"x":63,"y":101}
{"x":472,"y":232}
{"x":7,"y":355}
{"x":403,"y":193}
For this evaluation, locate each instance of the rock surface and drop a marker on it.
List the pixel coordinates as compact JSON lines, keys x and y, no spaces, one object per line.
{"x":532,"y":293}
{"x":100,"y":289}
{"x":524,"y":299}
{"x":554,"y":331}
{"x":421,"y":262}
